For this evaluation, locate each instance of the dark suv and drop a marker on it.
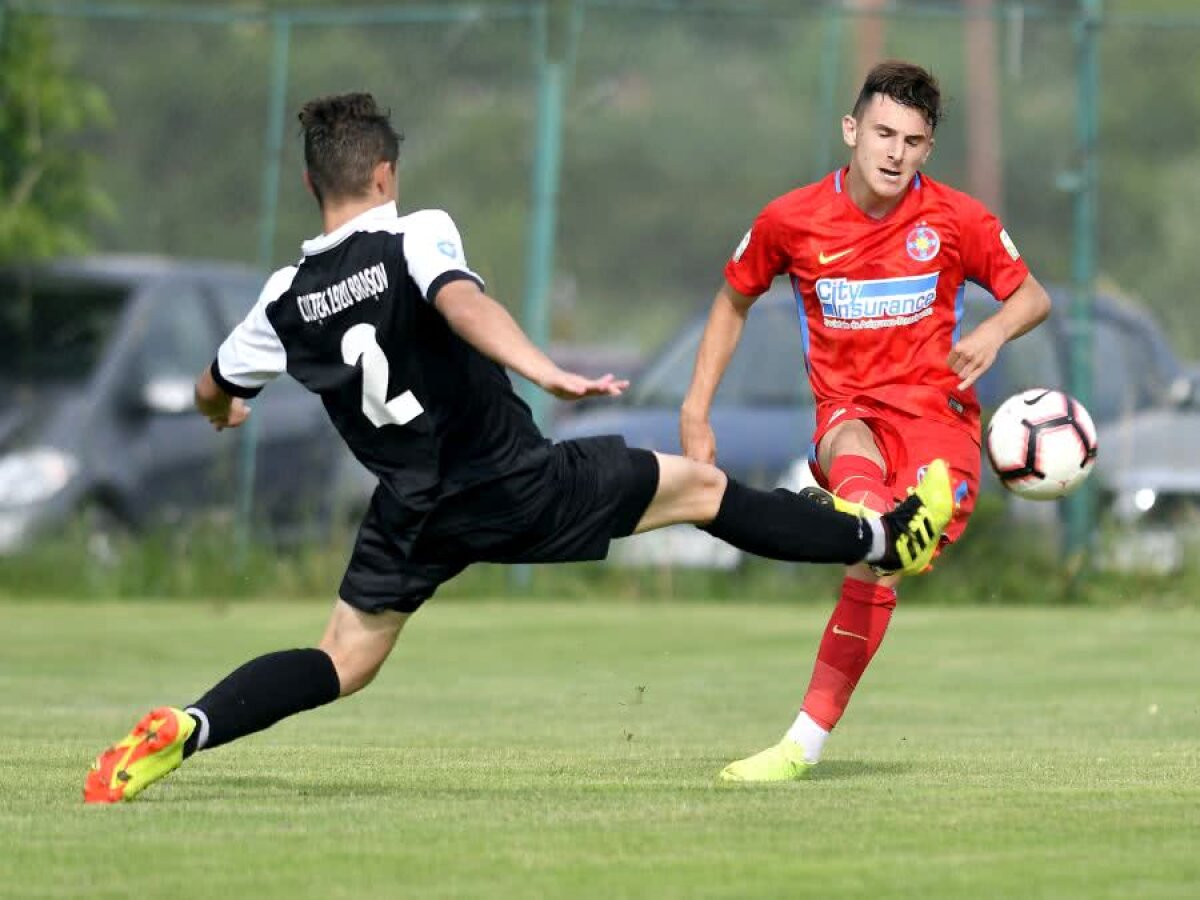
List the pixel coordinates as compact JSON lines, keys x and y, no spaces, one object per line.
{"x":97,"y":361}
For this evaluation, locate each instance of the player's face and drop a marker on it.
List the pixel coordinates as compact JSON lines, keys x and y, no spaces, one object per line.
{"x":890,"y":143}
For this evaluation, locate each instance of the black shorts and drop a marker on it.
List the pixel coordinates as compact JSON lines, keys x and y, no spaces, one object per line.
{"x":588,"y":492}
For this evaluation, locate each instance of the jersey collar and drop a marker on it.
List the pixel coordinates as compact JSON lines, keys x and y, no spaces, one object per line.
{"x":841,"y":173}
{"x":323,"y":242}
{"x":839,"y":184}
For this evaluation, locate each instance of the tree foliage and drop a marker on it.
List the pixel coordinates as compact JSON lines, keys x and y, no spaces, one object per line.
{"x":47,"y":194}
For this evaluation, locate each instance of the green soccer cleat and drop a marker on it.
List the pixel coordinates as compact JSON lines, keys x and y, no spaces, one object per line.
{"x":783,"y":762}
{"x":916,"y":524}
{"x":153,"y":750}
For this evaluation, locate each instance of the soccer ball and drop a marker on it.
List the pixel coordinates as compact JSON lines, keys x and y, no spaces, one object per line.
{"x":1041,"y":444}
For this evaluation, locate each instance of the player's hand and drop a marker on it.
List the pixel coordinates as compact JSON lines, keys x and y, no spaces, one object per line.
{"x":569,"y":386}
{"x":228,"y":415}
{"x":975,"y":353}
{"x":697,"y":439}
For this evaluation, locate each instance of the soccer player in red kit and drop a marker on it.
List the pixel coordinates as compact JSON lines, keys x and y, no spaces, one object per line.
{"x":877,"y":254}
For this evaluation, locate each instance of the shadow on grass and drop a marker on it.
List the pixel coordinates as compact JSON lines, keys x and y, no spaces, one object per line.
{"x":830,"y":770}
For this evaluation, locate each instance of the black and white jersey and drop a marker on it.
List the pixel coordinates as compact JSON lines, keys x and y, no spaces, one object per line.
{"x":354,"y":322}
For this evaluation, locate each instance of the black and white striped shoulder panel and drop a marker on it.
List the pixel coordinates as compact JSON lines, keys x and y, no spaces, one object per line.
{"x":434,"y":251}
{"x":252,"y":355}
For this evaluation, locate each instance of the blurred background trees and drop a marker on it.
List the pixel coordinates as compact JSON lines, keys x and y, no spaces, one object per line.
{"x":50,"y":194}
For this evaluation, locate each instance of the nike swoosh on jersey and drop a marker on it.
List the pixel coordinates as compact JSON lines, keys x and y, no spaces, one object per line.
{"x":826,"y":260}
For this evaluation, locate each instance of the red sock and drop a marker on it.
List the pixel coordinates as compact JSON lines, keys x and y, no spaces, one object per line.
{"x":851,"y":638}
{"x":859,"y":480}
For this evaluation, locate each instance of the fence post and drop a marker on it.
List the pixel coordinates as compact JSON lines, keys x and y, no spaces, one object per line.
{"x":1080,"y":506}
{"x":556,"y":26}
{"x":552,"y":37}
{"x":281,"y":30}
{"x":268,"y":215}
{"x":831,"y":65}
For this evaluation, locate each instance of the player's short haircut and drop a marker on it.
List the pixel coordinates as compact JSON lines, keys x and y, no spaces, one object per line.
{"x":907,"y":84}
{"x":345,"y":137}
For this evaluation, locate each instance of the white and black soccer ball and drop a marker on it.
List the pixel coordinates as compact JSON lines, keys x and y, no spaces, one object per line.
{"x":1041,"y":444}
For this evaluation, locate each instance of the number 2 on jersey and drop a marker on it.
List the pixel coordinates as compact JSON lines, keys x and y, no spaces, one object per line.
{"x":359,"y":342}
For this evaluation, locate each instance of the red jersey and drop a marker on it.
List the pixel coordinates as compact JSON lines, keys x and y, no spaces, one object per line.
{"x":881,"y":300}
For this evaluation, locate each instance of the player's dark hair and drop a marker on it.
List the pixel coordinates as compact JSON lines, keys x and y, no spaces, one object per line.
{"x":907,"y":84}
{"x":345,"y":137}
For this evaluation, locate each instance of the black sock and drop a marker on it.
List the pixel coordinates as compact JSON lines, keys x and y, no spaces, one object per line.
{"x":782,"y":525}
{"x":260,"y":693}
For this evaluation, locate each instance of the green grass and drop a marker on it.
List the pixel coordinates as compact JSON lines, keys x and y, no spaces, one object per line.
{"x":557,"y":750}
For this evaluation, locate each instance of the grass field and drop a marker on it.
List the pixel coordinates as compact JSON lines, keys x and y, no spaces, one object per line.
{"x":552,"y":750}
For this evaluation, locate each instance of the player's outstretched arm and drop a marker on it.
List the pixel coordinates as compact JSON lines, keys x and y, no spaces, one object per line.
{"x":1025,"y":309}
{"x":488,"y":327}
{"x":721,"y":335}
{"x":223,"y":410}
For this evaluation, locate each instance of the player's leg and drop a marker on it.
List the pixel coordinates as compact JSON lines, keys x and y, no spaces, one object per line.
{"x":253,"y":697}
{"x":358,"y":643}
{"x":856,"y":458}
{"x":380,"y":591}
{"x":857,"y":467}
{"x":272,"y":687}
{"x":774,"y":524}
{"x":856,"y":471}
{"x":597,"y":489}
{"x":783,"y":525}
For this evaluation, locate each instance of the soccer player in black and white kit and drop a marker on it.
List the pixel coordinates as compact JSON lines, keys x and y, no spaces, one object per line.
{"x":384,"y":321}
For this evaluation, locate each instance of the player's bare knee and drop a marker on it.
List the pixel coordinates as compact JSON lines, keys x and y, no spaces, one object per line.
{"x":358,"y":643}
{"x":356,"y":666}
{"x":357,"y":659}
{"x":710,"y":485}
{"x":852,"y":437}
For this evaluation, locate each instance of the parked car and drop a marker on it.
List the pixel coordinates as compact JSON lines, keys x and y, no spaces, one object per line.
{"x":1143,"y":402}
{"x":97,"y":361}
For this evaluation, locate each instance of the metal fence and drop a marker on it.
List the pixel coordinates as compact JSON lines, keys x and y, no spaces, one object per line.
{"x":603,"y":157}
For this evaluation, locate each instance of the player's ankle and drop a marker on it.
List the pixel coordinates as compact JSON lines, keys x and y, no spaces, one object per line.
{"x":199,"y":736}
{"x":809,"y":736}
{"x":880,"y":542}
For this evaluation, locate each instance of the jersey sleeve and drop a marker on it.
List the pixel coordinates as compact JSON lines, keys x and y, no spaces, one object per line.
{"x":989,"y":256}
{"x":252,"y":355}
{"x":434,"y":251}
{"x":758,"y":258}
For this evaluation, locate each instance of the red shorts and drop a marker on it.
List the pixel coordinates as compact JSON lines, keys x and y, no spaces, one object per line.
{"x":907,"y":444}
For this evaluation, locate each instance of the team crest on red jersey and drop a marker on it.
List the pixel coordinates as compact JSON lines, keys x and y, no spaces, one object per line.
{"x":923,"y":243}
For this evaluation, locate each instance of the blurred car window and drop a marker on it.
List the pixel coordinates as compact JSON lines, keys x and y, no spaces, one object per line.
{"x":665,"y":382}
{"x":179,"y":337}
{"x":1125,"y":374}
{"x":767,"y":370}
{"x":1114,"y":382}
{"x":1028,"y":362}
{"x":54,"y":331}
{"x":235,"y":297}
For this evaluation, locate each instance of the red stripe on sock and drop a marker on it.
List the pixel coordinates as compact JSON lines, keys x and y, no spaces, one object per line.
{"x":854,"y":632}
